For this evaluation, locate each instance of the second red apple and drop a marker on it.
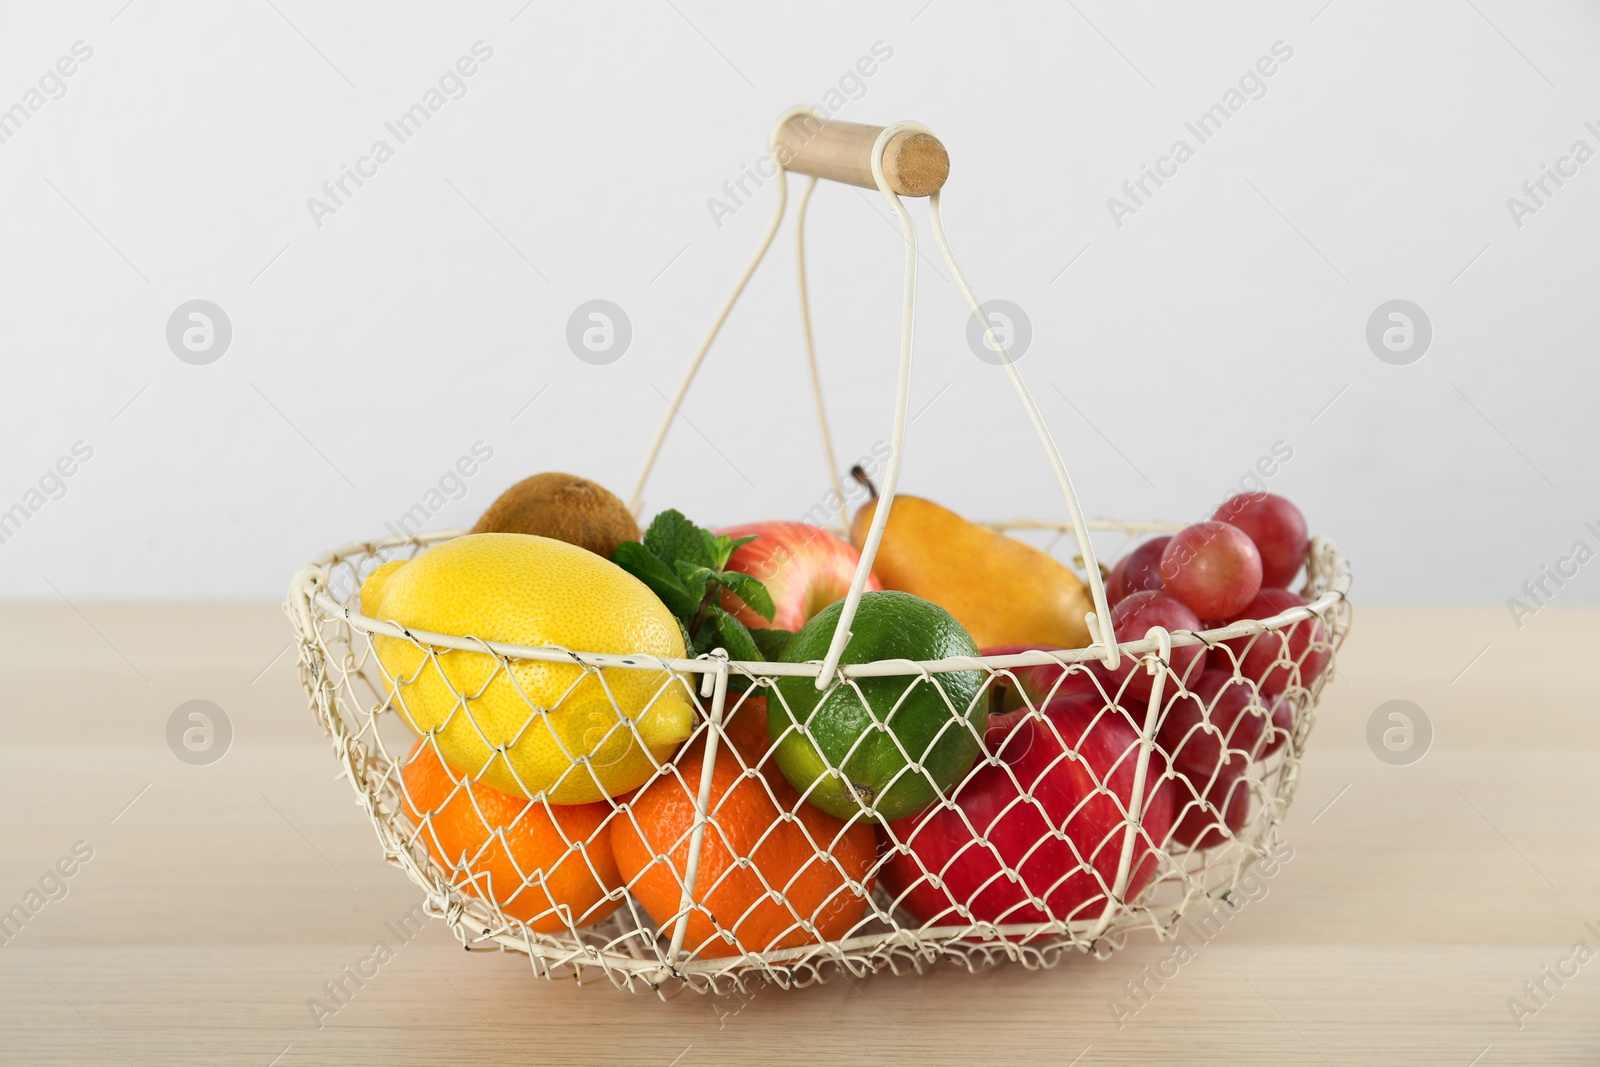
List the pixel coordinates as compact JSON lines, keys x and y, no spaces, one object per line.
{"x":805,"y":568}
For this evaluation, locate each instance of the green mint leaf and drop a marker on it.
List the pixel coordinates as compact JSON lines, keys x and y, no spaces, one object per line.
{"x":734,"y":637}
{"x":722,"y":548}
{"x":712,"y":544}
{"x":704,"y":641}
{"x":751,"y":591}
{"x":672,"y":537}
{"x":643,"y":564}
{"x":696,"y":579}
{"x":771,"y":641}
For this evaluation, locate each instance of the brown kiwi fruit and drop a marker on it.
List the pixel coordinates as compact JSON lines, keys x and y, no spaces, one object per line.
{"x":565,"y":507}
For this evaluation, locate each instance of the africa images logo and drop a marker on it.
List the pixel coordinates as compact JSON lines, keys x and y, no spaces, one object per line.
{"x":1252,"y":85}
{"x":851,"y":85}
{"x":52,"y":86}
{"x":1538,"y":191}
{"x":452,"y":85}
{"x":52,"y":485}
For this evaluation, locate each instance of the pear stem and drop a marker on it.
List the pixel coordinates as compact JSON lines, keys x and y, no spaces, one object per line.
{"x":861,"y":476}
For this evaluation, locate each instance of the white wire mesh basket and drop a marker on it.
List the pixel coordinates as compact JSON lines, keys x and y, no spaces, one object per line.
{"x":1125,"y":788}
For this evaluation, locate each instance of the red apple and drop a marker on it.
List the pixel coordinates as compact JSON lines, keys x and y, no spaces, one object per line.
{"x":1212,"y":809}
{"x":1020,"y":686}
{"x":1218,"y":715}
{"x":1274,"y":659}
{"x":805,"y":568}
{"x":1050,"y":810}
{"x":1282,"y":727}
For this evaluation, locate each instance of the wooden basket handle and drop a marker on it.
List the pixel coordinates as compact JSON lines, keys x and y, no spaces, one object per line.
{"x":901,"y":160}
{"x":914,"y":163}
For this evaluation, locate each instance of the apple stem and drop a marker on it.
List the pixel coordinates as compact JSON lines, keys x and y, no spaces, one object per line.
{"x":861,"y":476}
{"x":998,"y":691}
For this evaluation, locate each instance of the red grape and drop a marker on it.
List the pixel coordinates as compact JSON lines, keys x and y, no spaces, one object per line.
{"x":1213,"y":568}
{"x":1138,"y":570}
{"x":1219,"y":713}
{"x":1114,"y":581}
{"x":1135,"y":614}
{"x":1265,"y":660}
{"x":1278,"y":529}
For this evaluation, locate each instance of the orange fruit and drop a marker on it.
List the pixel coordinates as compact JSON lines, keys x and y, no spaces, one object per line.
{"x":549,"y":865}
{"x":760,"y":875}
{"x":746,"y":728}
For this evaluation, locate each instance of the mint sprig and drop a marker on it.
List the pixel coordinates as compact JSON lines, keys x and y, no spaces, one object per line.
{"x":686,"y":566}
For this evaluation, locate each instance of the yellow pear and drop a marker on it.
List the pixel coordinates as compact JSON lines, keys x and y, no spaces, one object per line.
{"x":1004,"y":592}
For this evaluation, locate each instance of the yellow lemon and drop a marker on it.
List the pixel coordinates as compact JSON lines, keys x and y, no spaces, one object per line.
{"x":529,"y":728}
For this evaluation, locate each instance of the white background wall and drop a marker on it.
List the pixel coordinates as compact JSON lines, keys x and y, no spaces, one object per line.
{"x":371,"y":352}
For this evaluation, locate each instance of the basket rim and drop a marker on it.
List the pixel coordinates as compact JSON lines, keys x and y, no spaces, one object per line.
{"x":310,"y":585}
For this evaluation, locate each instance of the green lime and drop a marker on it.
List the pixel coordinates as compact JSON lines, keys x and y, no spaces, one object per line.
{"x":887,"y":746}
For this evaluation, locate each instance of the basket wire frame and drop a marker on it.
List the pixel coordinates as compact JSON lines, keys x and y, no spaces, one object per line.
{"x":359,"y":704}
{"x":809,"y":895}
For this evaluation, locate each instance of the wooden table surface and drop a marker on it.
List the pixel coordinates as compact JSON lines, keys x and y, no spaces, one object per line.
{"x":218,"y":899}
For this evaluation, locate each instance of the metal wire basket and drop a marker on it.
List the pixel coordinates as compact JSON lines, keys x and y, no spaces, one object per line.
{"x":1106,"y":819}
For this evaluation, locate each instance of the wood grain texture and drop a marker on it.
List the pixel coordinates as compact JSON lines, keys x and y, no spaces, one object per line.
{"x":914,"y":164}
{"x":219,"y":901}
